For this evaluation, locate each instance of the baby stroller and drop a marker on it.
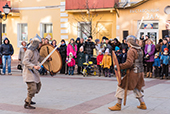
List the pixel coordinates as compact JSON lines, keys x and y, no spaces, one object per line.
{"x":88,"y":69}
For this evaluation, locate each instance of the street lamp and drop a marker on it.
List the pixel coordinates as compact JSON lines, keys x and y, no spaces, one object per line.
{"x":6,"y":10}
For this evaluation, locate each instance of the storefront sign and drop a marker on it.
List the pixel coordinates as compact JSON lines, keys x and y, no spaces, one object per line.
{"x":144,"y":11}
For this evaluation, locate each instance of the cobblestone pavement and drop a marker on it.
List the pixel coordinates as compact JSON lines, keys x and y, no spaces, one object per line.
{"x":79,"y":95}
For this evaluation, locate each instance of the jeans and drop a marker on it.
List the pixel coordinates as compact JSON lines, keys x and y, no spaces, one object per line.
{"x":4,"y":59}
{"x":71,"y":70}
{"x":88,"y":57}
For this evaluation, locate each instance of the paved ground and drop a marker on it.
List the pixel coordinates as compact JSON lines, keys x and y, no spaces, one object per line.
{"x":78,"y":95}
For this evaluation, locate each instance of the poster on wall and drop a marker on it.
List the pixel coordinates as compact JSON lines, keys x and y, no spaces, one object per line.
{"x":49,"y":36}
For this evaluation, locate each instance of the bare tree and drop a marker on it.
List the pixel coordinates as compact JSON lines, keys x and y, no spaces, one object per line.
{"x":86,"y":18}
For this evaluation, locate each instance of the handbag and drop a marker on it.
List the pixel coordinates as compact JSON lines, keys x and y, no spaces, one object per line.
{"x":146,"y":57}
{"x":19,"y":67}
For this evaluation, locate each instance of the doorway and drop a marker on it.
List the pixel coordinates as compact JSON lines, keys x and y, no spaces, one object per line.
{"x":151,"y":29}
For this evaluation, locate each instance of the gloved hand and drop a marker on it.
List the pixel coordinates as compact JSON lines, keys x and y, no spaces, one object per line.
{"x":115,"y":67}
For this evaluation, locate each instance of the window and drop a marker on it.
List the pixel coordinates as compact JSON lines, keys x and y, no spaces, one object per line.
{"x":22,"y":33}
{"x":3,"y":28}
{"x":84,"y":30}
{"x":46,"y":28}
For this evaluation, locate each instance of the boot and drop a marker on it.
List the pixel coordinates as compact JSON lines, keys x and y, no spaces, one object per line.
{"x":99,"y":74}
{"x":33,"y":103}
{"x":117,"y":107}
{"x":147,"y":75}
{"x":150,"y":75}
{"x":142,"y":106}
{"x":28,"y":106}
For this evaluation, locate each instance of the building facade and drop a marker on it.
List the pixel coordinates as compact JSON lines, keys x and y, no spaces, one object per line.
{"x":66,"y":19}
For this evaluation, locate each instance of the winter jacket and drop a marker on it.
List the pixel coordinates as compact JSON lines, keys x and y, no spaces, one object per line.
{"x":80,"y":59}
{"x":157,"y":62}
{"x":21,"y":53}
{"x":164,"y":46}
{"x":118,"y":55}
{"x":99,"y":59}
{"x":88,"y":48}
{"x":70,"y":49}
{"x":151,"y":54}
{"x":124,"y":46}
{"x":63,"y":51}
{"x":6,"y":49}
{"x":71,"y":63}
{"x":165,"y":59}
{"x":107,"y":61}
{"x":98,"y":47}
{"x":123,"y":57}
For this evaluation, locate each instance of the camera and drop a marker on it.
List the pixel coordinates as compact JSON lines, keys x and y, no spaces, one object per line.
{"x":88,"y":40}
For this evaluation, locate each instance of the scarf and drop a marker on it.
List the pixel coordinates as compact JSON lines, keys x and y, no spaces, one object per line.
{"x":73,"y":47}
{"x":149,"y":48}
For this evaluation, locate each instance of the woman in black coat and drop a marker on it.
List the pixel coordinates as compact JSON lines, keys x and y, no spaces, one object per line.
{"x":63,"y":54}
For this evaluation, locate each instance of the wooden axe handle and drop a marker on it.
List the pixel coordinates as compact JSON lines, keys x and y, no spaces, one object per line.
{"x":126,"y":88}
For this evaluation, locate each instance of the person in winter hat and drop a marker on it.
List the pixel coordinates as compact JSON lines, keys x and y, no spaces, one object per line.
{"x":165,"y":63}
{"x":71,"y":63}
{"x":72,"y":47}
{"x":118,"y":54}
{"x":106,"y":63}
{"x":80,"y":60}
{"x":135,"y":78}
{"x":6,"y":50}
{"x":99,"y":61}
{"x":156,"y":65}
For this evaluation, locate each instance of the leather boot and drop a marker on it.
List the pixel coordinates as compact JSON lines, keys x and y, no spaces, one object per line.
{"x":28,"y":106}
{"x":150,"y":75}
{"x":117,"y":107}
{"x":142,"y":106}
{"x":147,"y":75}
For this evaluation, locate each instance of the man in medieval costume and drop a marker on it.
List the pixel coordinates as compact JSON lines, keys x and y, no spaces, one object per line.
{"x":135,"y":82}
{"x":30,"y":72}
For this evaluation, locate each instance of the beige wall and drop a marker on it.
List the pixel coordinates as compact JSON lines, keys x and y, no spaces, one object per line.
{"x":33,"y":18}
{"x":105,"y":22}
{"x":128,"y":19}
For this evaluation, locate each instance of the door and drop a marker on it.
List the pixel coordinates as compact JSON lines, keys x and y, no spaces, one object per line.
{"x":153,"y":34}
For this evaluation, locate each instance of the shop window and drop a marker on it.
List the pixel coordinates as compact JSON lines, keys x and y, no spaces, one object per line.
{"x":46,"y":28}
{"x":149,"y":25}
{"x":22,"y":33}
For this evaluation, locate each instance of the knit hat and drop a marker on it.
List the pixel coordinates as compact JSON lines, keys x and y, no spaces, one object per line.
{"x":100,"y":51}
{"x":132,"y":40}
{"x":166,"y":49}
{"x":117,"y":48}
{"x":156,"y":54}
{"x":71,"y":53}
{"x":71,"y":39}
{"x":78,"y":39}
{"x":97,"y":40}
{"x":107,"y":50}
{"x":63,"y":41}
{"x":104,"y":38}
{"x":167,"y":36}
{"x":81,"y":48}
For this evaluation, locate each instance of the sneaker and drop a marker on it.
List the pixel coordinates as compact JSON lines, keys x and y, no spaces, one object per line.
{"x":10,"y":73}
{"x":3,"y":73}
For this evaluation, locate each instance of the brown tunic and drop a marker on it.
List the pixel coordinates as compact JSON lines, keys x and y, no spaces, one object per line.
{"x":135,"y":80}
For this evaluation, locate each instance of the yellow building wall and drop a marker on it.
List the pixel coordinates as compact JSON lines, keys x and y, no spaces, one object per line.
{"x":33,"y":18}
{"x":129,"y":17}
{"x":104,"y":25}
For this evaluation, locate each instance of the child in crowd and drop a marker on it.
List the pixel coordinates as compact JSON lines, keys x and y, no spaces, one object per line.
{"x":107,"y":62}
{"x":156,"y":65}
{"x":123,"y":60}
{"x":71,"y":63}
{"x":165,"y":63}
{"x":118,"y":54}
{"x":80,"y":60}
{"x":99,"y":61}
